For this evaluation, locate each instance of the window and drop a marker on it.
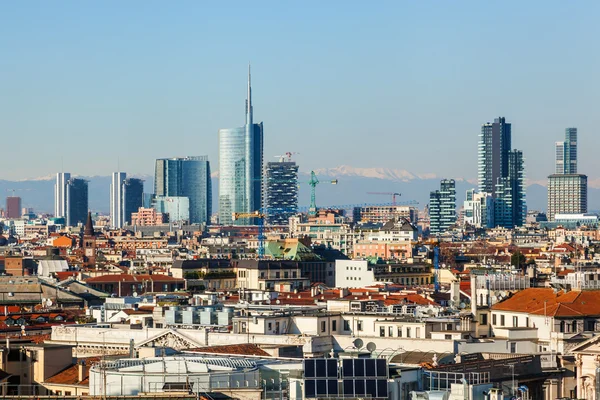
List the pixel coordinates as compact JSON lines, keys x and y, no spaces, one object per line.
{"x":562,"y":326}
{"x":590,"y":325}
{"x":527,"y":322}
{"x":574,"y":327}
{"x":269,"y":326}
{"x":502,"y":320}
{"x":448,"y":337}
{"x":334,"y":325}
{"x":67,"y":393}
{"x":484,"y":319}
{"x":399,"y":332}
{"x":513,"y":347}
{"x":346,"y":325}
{"x":449,"y":327}
{"x":407,"y":332}
{"x":494,"y":322}
{"x":359,"y":325}
{"x":323,"y":326}
{"x":391,"y":331}
{"x":382,"y":331}
{"x":515,"y":322}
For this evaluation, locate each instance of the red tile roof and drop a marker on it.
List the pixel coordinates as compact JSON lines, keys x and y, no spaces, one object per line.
{"x":128,"y":278}
{"x":70,"y":375}
{"x":543,"y":301}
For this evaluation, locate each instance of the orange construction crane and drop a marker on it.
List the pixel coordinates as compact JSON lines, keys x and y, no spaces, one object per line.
{"x":387,"y":194}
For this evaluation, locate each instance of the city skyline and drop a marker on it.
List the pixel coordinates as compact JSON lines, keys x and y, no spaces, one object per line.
{"x":65,"y":100}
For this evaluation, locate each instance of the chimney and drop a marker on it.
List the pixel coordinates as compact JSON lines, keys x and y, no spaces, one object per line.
{"x":82,"y":369}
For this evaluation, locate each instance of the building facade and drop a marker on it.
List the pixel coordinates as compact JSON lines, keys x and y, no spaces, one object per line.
{"x":479,"y":209}
{"x":76,"y":202}
{"x":240,"y":168}
{"x":60,"y":194}
{"x":13,"y":207}
{"x":566,"y":153}
{"x":567,"y":194}
{"x":186,"y":177}
{"x":147,"y":217}
{"x":126,"y":196}
{"x":117,"y":219}
{"x":382,"y":214}
{"x":177,"y":207}
{"x":281,"y":191}
{"x":442,"y":207}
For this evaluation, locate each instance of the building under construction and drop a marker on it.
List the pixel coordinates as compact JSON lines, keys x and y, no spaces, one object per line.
{"x":382,"y":214}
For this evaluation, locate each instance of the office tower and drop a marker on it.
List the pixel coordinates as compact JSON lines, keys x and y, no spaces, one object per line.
{"x":126,"y":196}
{"x":240,"y":167}
{"x":281,"y":191}
{"x":76,"y":202}
{"x":479,"y":209}
{"x":116,"y":199}
{"x":567,"y":194}
{"x":186,"y":177}
{"x":567,"y":190}
{"x":494,"y":145}
{"x":60,"y":194}
{"x":178,"y":208}
{"x":13,"y":207}
{"x":442,"y":207}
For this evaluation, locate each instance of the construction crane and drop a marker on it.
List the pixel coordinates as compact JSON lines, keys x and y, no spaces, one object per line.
{"x":314,"y":181}
{"x":261,"y":225}
{"x":387,"y":194}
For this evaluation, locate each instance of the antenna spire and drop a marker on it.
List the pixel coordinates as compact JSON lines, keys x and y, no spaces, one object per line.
{"x":249,"y":100}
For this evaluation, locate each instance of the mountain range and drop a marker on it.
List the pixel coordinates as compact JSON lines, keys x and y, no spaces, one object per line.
{"x":352,"y":188}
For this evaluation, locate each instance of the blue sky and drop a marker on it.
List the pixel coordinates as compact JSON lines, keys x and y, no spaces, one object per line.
{"x":393,"y":84}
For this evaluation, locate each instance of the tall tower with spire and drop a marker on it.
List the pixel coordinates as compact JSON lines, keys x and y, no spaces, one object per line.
{"x":241,"y":166}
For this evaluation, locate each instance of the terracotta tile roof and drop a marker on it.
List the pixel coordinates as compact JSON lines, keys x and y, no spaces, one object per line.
{"x":128,"y":278}
{"x":543,"y":301}
{"x":243,"y":349}
{"x":70,"y":375}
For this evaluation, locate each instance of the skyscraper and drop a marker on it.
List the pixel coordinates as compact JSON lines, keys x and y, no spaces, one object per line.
{"x":494,"y":145}
{"x":126,"y":196}
{"x":76,"y":201}
{"x":567,"y":190}
{"x":501,"y":173}
{"x":566,"y":153}
{"x":240,"y":167}
{"x":281,"y":191}
{"x":442,"y":207}
{"x":186,"y":177}
{"x":60,"y":194}
{"x":13,"y":207}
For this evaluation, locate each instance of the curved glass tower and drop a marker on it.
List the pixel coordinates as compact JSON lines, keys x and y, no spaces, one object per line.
{"x":240,"y":167}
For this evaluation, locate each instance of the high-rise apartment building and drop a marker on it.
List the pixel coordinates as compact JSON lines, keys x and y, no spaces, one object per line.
{"x":60,"y":194}
{"x":76,"y":202}
{"x":281,"y":191}
{"x":494,"y":145}
{"x":567,"y":190}
{"x":241,"y":167}
{"x":13,"y":207}
{"x":126,"y":196}
{"x":478,"y":209}
{"x":186,"y":177}
{"x":442,"y":207}
{"x":501,"y":173}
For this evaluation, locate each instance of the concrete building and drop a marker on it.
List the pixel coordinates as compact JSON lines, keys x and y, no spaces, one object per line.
{"x":567,"y":194}
{"x":442,"y":207}
{"x":147,"y":217}
{"x":186,"y":177}
{"x":241,"y":168}
{"x":281,"y":191}
{"x":479,"y":209}
{"x":382,"y":214}
{"x":13,"y":207}
{"x":126,"y":196}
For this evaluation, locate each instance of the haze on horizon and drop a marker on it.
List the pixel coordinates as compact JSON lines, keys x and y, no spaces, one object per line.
{"x":404,"y":85}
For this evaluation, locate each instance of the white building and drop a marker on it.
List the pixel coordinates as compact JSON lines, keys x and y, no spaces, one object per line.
{"x":479,"y":209}
{"x":353,"y":273}
{"x":117,"y":219}
{"x":60,"y":194}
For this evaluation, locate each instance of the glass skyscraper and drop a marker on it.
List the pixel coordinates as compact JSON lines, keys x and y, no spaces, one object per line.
{"x":240,"y":167}
{"x":186,"y":177}
{"x":566,"y":153}
{"x":77,"y":201}
{"x":494,"y":145}
{"x":442,"y":207}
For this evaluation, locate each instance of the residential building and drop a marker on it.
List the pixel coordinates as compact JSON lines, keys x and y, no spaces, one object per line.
{"x":281,"y":191}
{"x":442,"y":207}
{"x":510,"y":209}
{"x":147,"y":217}
{"x":240,"y":168}
{"x":13,"y":207}
{"x":382,"y":214}
{"x":494,"y":145}
{"x":76,"y":201}
{"x":186,"y":177}
{"x":479,"y":209}
{"x":567,"y":194}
